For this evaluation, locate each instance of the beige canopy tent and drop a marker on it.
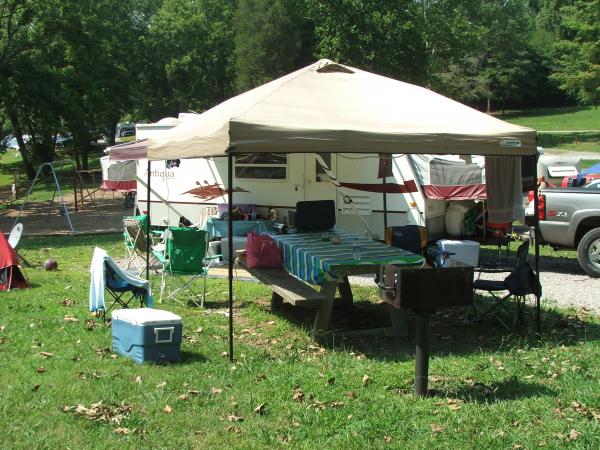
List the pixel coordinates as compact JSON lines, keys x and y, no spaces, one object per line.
{"x":329,"y":108}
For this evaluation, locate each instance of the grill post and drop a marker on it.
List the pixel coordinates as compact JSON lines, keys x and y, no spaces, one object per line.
{"x":422,"y":352}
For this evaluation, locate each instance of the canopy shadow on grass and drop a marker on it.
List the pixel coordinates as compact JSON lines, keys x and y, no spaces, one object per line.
{"x":191,"y":357}
{"x":449,"y":334}
{"x":510,"y":388}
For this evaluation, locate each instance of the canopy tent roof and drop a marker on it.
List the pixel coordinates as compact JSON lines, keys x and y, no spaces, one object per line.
{"x":328,"y":107}
{"x":128,"y":151}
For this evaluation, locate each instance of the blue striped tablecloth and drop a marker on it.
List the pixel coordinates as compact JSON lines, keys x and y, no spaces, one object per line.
{"x":311,"y":258}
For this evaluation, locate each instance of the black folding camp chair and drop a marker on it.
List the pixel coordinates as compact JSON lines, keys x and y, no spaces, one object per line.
{"x":520,"y":283}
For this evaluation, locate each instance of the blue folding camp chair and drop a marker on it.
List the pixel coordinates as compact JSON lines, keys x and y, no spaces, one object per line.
{"x":124,"y":288}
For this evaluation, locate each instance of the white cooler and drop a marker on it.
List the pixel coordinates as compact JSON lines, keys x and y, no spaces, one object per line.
{"x":466,"y":252}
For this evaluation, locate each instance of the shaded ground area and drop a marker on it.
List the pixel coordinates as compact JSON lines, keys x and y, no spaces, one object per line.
{"x":44,"y":218}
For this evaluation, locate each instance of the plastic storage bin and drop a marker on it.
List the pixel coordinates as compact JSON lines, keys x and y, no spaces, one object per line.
{"x":147,"y":335}
{"x":464,"y":251}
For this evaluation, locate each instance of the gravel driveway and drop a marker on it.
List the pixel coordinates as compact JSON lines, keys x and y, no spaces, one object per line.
{"x":564,"y":284}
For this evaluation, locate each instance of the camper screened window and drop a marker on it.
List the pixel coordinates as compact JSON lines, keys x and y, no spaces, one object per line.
{"x":264,"y":166}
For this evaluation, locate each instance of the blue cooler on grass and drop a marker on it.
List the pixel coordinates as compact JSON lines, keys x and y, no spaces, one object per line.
{"x":147,"y":334}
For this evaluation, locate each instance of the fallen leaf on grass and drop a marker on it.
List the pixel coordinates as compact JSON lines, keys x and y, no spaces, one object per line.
{"x":122,"y":430}
{"x":36,"y":387}
{"x":586,"y":411}
{"x":351,"y":395}
{"x":67,"y":302}
{"x":387,"y":439}
{"x":216,"y":390}
{"x":167,"y":409}
{"x":298,"y":396}
{"x":198,"y":330}
{"x":161,"y":385}
{"x":46,"y":355}
{"x":40,"y":370}
{"x":69,"y":318}
{"x":2,"y":327}
{"x":366,"y":380}
{"x":436,"y":429}
{"x":232,"y":429}
{"x":234,"y":418}
{"x":452,"y":403}
{"x":574,"y":434}
{"x":98,"y":412}
{"x":261,"y":409}
{"x":261,"y":377}
{"x":194,"y":392}
{"x":183,"y":397}
{"x":90,"y":324}
{"x":138,"y":379}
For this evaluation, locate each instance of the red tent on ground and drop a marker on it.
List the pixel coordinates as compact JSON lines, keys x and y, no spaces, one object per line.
{"x":11,"y":276}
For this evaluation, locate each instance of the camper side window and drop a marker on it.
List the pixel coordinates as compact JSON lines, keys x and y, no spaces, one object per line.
{"x":264,"y":166}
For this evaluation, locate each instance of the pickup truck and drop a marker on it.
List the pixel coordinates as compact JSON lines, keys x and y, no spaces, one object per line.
{"x":570,"y":218}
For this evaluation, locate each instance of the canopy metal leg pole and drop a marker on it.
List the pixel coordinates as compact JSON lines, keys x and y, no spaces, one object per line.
{"x":230,"y":246}
{"x":148,"y":226}
{"x":422,"y":353}
{"x":536,"y":222}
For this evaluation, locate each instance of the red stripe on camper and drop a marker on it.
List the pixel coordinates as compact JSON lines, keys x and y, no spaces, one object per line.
{"x":120,"y":186}
{"x":390,"y":188}
{"x":469,"y":192}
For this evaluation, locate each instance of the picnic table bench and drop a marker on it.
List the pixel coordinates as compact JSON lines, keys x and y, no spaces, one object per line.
{"x":286,"y":287}
{"x":289,"y":289}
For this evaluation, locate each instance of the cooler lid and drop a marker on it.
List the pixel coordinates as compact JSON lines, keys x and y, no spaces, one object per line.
{"x":145,"y":316}
{"x":457,"y":243}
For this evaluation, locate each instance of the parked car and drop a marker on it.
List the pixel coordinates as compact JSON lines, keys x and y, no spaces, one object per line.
{"x":570,"y":218}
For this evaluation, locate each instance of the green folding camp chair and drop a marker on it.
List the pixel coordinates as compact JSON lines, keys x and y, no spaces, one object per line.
{"x":135,"y":243}
{"x":185,"y":259}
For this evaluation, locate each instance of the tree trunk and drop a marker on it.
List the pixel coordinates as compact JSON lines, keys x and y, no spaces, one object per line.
{"x":489,"y":104}
{"x":85,"y":153}
{"x":18,"y":132}
{"x":112,"y":132}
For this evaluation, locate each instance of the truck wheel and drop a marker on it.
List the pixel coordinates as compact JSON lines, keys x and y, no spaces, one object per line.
{"x":588,"y":253}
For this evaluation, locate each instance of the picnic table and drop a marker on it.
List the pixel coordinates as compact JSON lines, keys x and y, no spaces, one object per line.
{"x":326,"y":265}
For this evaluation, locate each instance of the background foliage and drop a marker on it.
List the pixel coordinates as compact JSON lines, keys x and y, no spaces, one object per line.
{"x":81,"y":66}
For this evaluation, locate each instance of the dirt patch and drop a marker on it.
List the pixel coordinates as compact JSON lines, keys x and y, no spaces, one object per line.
{"x":104,"y":215}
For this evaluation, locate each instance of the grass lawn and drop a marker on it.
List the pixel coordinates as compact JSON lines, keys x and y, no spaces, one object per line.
{"x":576,"y":118}
{"x":574,"y":128}
{"x":490,"y":389}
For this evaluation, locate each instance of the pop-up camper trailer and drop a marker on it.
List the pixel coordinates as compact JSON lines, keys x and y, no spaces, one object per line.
{"x":418,"y":188}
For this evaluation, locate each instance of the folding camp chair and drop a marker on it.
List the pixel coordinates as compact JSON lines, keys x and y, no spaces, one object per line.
{"x":520,"y":282}
{"x":136,"y":243}
{"x":185,"y":255}
{"x":13,"y":240}
{"x":124,"y":288}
